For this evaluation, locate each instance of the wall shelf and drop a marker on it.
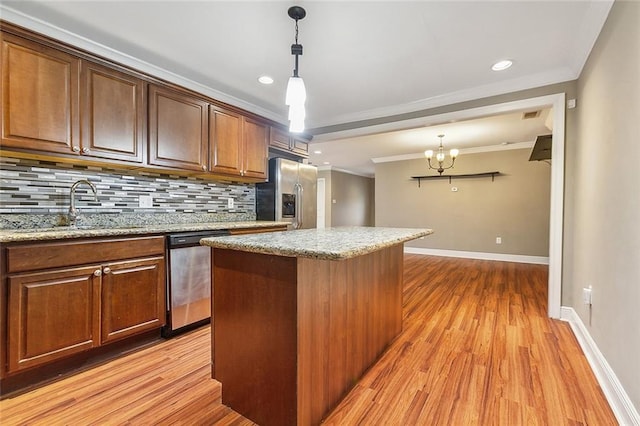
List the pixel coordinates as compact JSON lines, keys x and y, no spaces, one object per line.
{"x":468,"y":175}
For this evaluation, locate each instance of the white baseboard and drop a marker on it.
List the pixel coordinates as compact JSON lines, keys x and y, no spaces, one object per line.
{"x":478,"y":255}
{"x":618,"y":399}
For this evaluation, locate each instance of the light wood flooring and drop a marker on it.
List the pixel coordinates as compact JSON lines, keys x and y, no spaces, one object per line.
{"x":476,"y":349}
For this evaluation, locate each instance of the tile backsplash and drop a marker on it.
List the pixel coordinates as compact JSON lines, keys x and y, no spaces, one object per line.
{"x":42,"y":187}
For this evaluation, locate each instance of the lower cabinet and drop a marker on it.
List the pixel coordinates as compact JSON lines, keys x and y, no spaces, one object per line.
{"x":114,"y":289}
{"x":52,"y":315}
{"x":131,"y":300}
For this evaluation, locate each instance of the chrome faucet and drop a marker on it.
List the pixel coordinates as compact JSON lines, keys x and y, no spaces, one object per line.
{"x":73,"y":212}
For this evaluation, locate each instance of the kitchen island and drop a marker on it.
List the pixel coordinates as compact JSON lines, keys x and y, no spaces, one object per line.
{"x":299,"y":316}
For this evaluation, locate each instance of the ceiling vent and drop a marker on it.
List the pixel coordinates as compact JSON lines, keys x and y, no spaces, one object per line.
{"x":530,"y":114}
{"x":541,"y":149}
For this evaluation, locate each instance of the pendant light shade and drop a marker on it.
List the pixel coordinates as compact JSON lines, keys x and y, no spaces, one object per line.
{"x":297,"y":112}
{"x":296,"y":94}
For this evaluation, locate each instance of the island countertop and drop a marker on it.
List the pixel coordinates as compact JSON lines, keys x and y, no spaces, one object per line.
{"x":328,"y":243}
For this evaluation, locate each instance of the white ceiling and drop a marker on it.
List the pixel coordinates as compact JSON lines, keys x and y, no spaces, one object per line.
{"x":358,"y":154}
{"x":362,"y":60}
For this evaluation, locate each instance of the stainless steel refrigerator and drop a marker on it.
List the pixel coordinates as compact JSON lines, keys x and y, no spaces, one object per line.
{"x":290,"y":194}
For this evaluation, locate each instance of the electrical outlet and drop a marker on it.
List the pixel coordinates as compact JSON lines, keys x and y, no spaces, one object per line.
{"x":230,"y":203}
{"x":587,"y":296}
{"x":498,"y":240}
{"x":145,"y":201}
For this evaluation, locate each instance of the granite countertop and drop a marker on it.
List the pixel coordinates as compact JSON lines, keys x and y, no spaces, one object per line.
{"x":327,"y":244}
{"x":67,"y":232}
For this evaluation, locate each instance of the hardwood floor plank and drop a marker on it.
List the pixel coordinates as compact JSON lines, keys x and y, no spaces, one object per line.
{"x":476,"y":348}
{"x":478,"y":332}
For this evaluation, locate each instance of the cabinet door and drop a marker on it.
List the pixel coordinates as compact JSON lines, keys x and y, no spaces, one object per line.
{"x":225,"y":133}
{"x":113,"y":114}
{"x":300,"y":147}
{"x":52,"y":315}
{"x":39,"y":97}
{"x":178,"y":130}
{"x":133,"y":297}
{"x":279,"y":139}
{"x":255,"y":143}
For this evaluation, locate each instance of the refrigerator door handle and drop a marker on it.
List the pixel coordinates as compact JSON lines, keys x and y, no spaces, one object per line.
{"x":299,"y":202}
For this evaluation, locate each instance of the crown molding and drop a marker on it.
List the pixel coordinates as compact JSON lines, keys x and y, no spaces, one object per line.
{"x":495,"y":89}
{"x":37,"y":25}
{"x":349,"y":172}
{"x":595,"y":17}
{"x":475,"y":150}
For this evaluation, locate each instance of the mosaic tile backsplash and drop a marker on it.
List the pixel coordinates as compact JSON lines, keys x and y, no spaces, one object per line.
{"x":42,"y":187}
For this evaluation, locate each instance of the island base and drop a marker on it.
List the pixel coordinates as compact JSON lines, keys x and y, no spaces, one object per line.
{"x":291,"y":336}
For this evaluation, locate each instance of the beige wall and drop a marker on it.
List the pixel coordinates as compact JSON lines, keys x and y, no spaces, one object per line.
{"x":349,"y":199}
{"x":514,"y":207}
{"x":604,"y":216}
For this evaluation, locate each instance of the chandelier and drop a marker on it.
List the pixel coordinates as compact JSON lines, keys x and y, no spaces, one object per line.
{"x":440,"y":157}
{"x":296,"y":92}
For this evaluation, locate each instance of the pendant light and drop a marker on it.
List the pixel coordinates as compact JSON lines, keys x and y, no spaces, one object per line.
{"x":296,"y":92}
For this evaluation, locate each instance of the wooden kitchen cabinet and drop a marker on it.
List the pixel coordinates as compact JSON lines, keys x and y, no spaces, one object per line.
{"x":300,"y":146}
{"x":178,"y":130}
{"x":225,"y":133}
{"x":52,"y":314}
{"x":238,"y":144}
{"x":132,"y":301}
{"x":55,"y":102}
{"x":281,"y":140}
{"x":113,"y":114}
{"x":39,"y":97}
{"x":62,"y":104}
{"x":71,"y":296}
{"x":255,"y":140}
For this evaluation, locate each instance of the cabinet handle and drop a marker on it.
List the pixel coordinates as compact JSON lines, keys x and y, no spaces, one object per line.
{"x":86,"y":150}
{"x":107,"y":270}
{"x":76,"y":149}
{"x":204,"y":168}
{"x":97,"y":272}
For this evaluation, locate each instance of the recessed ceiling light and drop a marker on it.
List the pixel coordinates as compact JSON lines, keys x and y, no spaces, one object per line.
{"x":502,"y":65}
{"x":326,"y":163}
{"x":265,"y":79}
{"x":317,"y":151}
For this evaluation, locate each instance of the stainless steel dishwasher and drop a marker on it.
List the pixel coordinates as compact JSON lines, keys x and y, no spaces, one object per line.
{"x":188,"y":281}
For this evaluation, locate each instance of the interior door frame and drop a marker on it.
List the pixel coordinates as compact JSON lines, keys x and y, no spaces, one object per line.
{"x":556,"y":213}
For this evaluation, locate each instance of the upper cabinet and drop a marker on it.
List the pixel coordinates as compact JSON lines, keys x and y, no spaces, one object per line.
{"x":178,"y":127}
{"x":225,"y":148}
{"x":255,"y":140}
{"x":55,"y":102}
{"x":283,"y":141}
{"x":113,"y":114}
{"x":61,"y":103}
{"x":238,"y":144}
{"x":39,"y":97}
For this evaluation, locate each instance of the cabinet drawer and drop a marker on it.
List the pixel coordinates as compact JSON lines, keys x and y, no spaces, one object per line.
{"x":70,"y":253}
